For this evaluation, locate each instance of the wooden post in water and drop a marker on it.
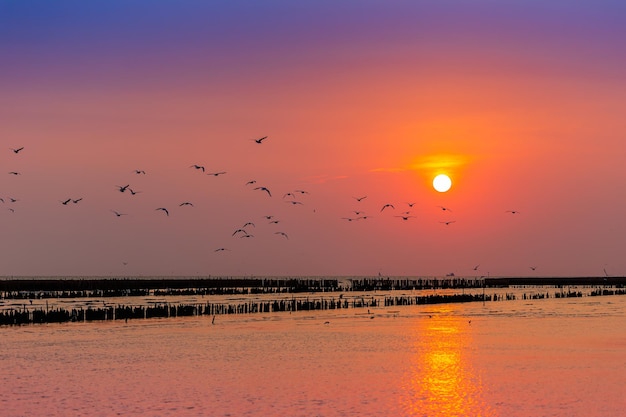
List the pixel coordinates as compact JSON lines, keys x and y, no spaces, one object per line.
{"x":484,"y":283}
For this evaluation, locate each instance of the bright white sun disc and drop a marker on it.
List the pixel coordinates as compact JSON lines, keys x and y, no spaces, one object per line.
{"x":442,"y":183}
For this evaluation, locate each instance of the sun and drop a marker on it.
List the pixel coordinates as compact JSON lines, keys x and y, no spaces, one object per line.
{"x":442,"y":183}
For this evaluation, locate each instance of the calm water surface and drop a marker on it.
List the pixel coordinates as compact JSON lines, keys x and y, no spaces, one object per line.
{"x":553,"y":357}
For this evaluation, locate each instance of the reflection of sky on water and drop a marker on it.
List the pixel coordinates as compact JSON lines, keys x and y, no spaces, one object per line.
{"x":442,"y":380}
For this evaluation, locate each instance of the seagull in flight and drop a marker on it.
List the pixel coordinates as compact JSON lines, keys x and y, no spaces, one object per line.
{"x":405,"y":217}
{"x":289,"y":195}
{"x":64,"y":202}
{"x":264,"y":189}
{"x":17,"y":150}
{"x":294,"y":202}
{"x":449,"y":222}
{"x":260,"y":140}
{"x":444,"y":208}
{"x":476,"y":267}
{"x":387,"y":205}
{"x":14,"y":173}
{"x":251,"y":182}
{"x":118,"y":214}
{"x":249,"y":224}
{"x":512,"y":211}
{"x":269,"y":217}
{"x":197,"y":167}
{"x":221,"y":250}
{"x":274,"y":222}
{"x":140,"y":171}
{"x":123,"y":189}
{"x":360,"y":198}
{"x":301,"y":191}
{"x":282,"y":234}
{"x":215,"y":174}
{"x":239,"y":231}
{"x":410,"y":204}
{"x":534,"y":267}
{"x":164,"y":209}
{"x":186,"y":203}
{"x":78,"y":200}
{"x":133,"y":192}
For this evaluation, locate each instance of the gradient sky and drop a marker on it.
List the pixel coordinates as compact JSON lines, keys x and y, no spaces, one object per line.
{"x":520,"y":102}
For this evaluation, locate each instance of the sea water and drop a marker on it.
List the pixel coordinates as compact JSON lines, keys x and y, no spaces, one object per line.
{"x":549,"y":357}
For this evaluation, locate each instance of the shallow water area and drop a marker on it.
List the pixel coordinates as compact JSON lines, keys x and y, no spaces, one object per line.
{"x":558,"y":357}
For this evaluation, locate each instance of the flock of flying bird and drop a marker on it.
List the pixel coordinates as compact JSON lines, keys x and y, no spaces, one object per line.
{"x":243,"y":232}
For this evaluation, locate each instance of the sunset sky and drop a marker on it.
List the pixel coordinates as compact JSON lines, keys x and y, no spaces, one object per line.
{"x":521,"y":103}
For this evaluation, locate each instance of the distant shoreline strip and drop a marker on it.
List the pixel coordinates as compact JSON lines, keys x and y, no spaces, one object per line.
{"x":121,"y":286}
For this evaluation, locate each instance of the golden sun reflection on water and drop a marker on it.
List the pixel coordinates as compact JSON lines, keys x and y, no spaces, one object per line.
{"x":442,"y":380}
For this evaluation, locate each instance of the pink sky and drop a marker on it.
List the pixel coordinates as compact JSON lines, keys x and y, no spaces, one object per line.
{"x":521,"y":106}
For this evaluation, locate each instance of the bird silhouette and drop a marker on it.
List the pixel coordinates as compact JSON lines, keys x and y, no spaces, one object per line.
{"x":360,"y":198}
{"x":289,"y":195}
{"x":269,"y":217}
{"x":76,"y":201}
{"x":64,"y":202}
{"x":221,"y":250}
{"x":248,"y":224}
{"x":301,"y":192}
{"x":444,"y":208}
{"x":2,"y":199}
{"x":215,"y":174}
{"x":239,"y":231}
{"x":294,"y":202}
{"x":274,"y":222}
{"x":140,"y":171}
{"x":476,"y":267}
{"x":449,"y":222}
{"x":251,"y":182}
{"x":17,"y":150}
{"x":118,"y":214}
{"x":387,"y":205}
{"x":14,"y":173}
{"x":410,"y":204}
{"x":260,"y":140}
{"x":512,"y":211}
{"x":264,"y":189}
{"x":534,"y":267}
{"x":164,"y":209}
{"x":282,"y":234}
{"x":405,"y":217}
{"x":350,"y":219}
{"x":197,"y":167}
{"x":122,"y":189}
{"x":133,"y":192}
{"x":186,"y":203}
